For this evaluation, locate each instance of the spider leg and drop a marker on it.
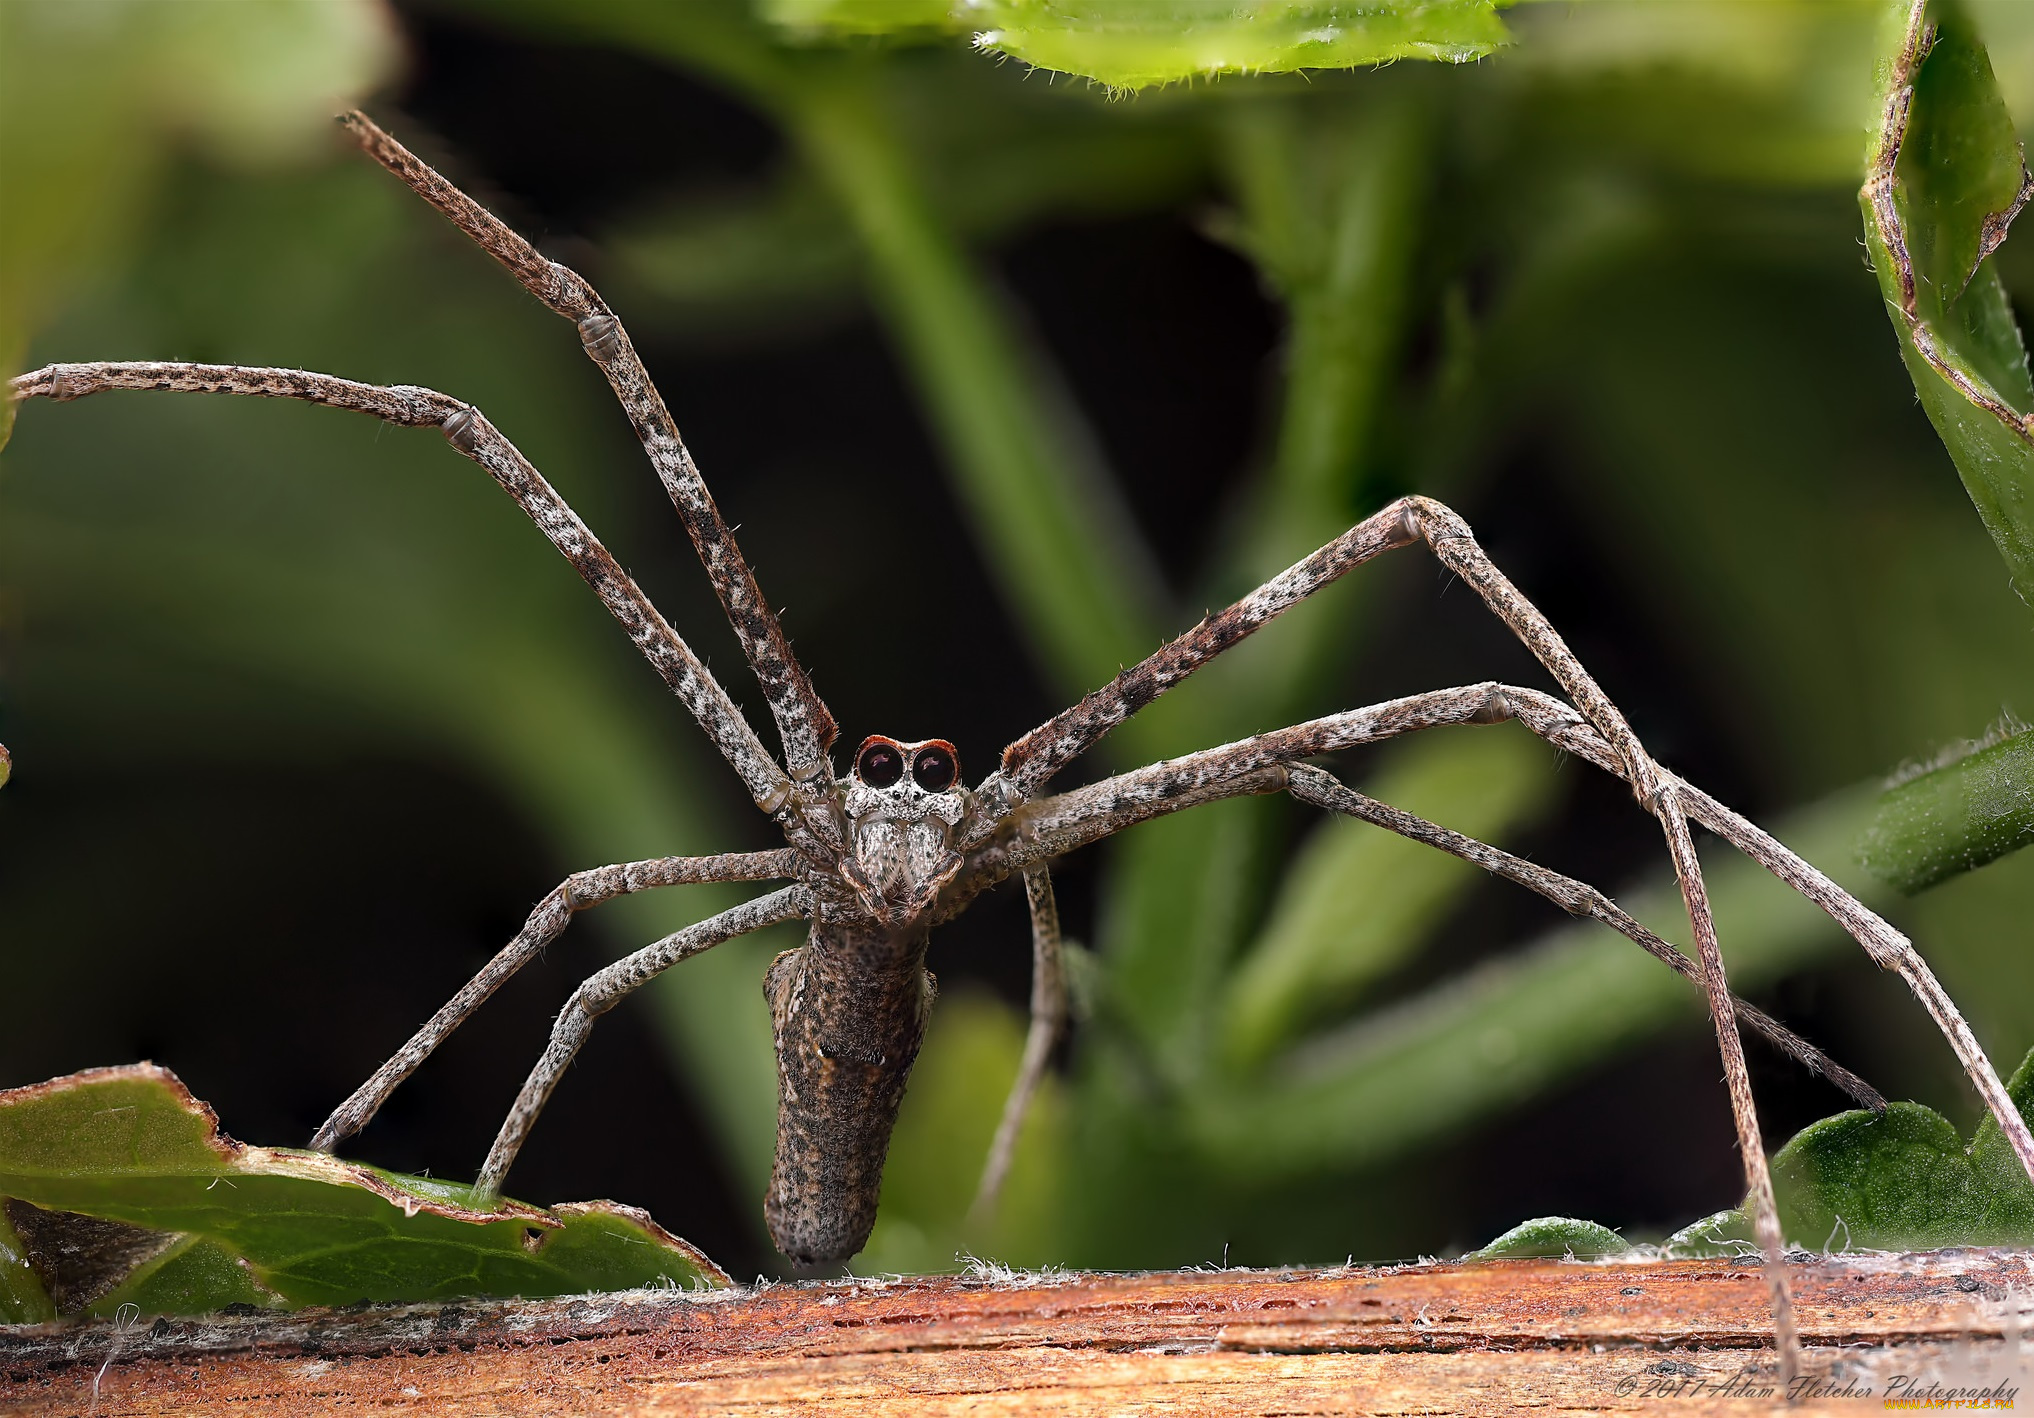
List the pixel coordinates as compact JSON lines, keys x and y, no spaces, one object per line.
{"x":1051,"y":827}
{"x":1259,"y":759}
{"x":1048,"y":1018}
{"x":1030,"y":761}
{"x":547,"y":922}
{"x":803,"y":722}
{"x":1600,"y":734}
{"x":468,"y":431}
{"x":608,"y":988}
{"x":1673,"y":802}
{"x":1266,"y":764}
{"x":1322,"y":789}
{"x":1889,"y":948}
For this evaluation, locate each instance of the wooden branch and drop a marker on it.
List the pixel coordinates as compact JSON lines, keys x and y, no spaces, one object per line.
{"x":1437,"y":1337}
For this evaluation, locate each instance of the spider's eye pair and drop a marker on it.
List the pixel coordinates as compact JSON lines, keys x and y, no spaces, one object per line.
{"x":880,"y":764}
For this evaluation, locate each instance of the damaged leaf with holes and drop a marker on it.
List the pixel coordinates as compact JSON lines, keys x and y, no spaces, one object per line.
{"x":117,"y":1188}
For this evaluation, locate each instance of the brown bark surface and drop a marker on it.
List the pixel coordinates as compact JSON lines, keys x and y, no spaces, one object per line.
{"x":1484,"y":1338}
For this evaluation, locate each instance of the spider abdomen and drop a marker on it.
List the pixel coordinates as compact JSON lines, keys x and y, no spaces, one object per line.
{"x":849,"y":1010}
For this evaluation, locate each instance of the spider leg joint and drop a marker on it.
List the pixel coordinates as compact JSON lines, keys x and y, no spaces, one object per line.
{"x":601,"y":334}
{"x":1495,"y":708}
{"x":1405,"y":530}
{"x":462,"y":428}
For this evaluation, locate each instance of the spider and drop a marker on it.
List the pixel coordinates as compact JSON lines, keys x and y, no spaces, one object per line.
{"x":873,"y":861}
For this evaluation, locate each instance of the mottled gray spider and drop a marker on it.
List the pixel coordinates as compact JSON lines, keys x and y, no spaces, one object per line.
{"x":876,"y":859}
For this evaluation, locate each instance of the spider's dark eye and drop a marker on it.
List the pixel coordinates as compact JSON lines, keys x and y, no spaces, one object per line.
{"x":879,"y":765}
{"x":934,"y":769}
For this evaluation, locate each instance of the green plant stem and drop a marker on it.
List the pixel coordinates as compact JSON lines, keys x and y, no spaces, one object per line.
{"x":1954,"y":818}
{"x":1043,"y":511}
{"x":1333,"y":224}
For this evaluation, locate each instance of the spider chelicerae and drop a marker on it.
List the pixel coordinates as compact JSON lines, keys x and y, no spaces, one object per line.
{"x":875,"y":860}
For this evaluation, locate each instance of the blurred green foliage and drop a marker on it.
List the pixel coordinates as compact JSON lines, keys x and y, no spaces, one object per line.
{"x":1611,"y":270}
{"x":252,"y":85}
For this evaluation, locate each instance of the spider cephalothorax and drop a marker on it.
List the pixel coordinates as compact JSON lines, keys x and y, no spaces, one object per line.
{"x":903,"y":801}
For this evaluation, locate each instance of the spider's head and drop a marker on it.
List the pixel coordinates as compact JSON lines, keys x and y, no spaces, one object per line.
{"x":905,"y":782}
{"x":903,"y":800}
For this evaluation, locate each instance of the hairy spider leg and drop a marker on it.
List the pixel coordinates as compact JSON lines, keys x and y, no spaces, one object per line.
{"x":1268,"y":763}
{"x":695,"y":686}
{"x":1322,"y":789}
{"x":1048,"y":1021}
{"x":607,"y":988}
{"x":804,"y":724}
{"x":546,"y":923}
{"x":471,"y":434}
{"x":1031,"y":760}
{"x":1599,"y":732}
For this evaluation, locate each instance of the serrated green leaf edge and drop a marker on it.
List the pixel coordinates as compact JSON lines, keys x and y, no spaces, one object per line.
{"x":1130,"y":45}
{"x":281,"y":1227}
{"x":1134,"y":44}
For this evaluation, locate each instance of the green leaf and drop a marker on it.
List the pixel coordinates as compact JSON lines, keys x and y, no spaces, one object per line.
{"x":1898,"y":1181}
{"x":120,"y":1189}
{"x":1956,"y":183}
{"x":472,"y":642}
{"x":1995,"y":1169}
{"x":1129,"y":44}
{"x":1901,"y":1180}
{"x":1892,"y":1181}
{"x":23,"y":1297}
{"x":1724,"y":1235}
{"x":1954,"y":818}
{"x":1553,"y":1236}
